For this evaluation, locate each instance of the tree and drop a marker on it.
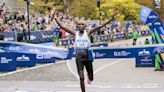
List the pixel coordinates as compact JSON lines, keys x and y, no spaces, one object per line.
{"x":128,"y":10}
{"x":83,"y":8}
{"x":41,"y":6}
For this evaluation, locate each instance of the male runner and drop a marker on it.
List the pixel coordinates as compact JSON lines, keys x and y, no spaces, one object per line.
{"x":82,"y":43}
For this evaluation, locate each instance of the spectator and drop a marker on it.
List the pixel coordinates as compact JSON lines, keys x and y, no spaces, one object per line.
{"x":5,"y":28}
{"x":147,"y":41}
{"x":135,"y":35}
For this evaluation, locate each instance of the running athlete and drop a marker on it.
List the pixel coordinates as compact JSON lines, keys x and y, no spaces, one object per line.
{"x":82,"y":43}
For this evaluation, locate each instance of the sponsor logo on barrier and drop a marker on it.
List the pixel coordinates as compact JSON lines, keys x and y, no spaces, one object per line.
{"x":46,"y":36}
{"x":143,"y":53}
{"x":98,"y":55}
{"x":32,"y":37}
{"x":23,"y":58}
{"x":52,"y":53}
{"x":42,"y":56}
{"x":121,"y":53}
{"x":14,"y":48}
{"x":34,"y":50}
{"x":9,"y":39}
{"x":146,"y":59}
{"x":64,"y":43}
{"x":4,"y":60}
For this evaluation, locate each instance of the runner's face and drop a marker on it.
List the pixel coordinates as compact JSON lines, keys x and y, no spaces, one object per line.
{"x":81,"y":26}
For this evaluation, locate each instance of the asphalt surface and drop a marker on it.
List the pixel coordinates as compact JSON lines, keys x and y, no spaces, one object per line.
{"x":114,"y":75}
{"x":110,"y":75}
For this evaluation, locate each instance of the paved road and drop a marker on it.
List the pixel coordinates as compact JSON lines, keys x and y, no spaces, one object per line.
{"x":112,"y":75}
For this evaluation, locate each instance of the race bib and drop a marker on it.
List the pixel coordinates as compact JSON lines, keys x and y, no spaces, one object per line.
{"x":82,"y":43}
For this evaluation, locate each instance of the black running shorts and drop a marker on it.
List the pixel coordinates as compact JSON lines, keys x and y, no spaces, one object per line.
{"x":83,"y":61}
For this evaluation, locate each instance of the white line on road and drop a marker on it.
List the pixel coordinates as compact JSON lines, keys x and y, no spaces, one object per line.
{"x":31,"y":68}
{"x":70,"y":69}
{"x":20,"y":91}
{"x":101,"y":68}
{"x":110,"y":64}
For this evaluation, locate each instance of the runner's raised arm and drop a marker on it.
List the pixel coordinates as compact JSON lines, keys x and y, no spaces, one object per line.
{"x":64,"y":28}
{"x":104,"y":24}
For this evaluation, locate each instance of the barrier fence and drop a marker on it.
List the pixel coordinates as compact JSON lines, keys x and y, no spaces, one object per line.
{"x":99,"y":39}
{"x":47,"y":36}
{"x":35,"y":37}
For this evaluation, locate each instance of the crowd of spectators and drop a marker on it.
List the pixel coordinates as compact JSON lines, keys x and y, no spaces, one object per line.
{"x":14,"y":20}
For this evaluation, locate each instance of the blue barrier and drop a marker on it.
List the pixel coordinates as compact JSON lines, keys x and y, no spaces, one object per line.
{"x":145,"y":61}
{"x":25,"y":60}
{"x":7,"y":62}
{"x":132,"y":52}
{"x":143,"y":55}
{"x":103,"y":38}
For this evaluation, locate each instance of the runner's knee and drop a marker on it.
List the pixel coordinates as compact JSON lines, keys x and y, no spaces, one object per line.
{"x":81,"y":75}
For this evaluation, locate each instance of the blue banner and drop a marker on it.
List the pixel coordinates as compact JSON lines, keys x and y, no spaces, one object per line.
{"x":34,"y":49}
{"x":152,"y":19}
{"x":7,"y":62}
{"x":25,"y":60}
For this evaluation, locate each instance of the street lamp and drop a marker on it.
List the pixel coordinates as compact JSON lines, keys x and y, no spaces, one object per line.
{"x":28,"y":19}
{"x":98,"y":5}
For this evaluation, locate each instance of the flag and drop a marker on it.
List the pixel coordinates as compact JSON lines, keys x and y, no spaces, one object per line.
{"x":152,"y":19}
